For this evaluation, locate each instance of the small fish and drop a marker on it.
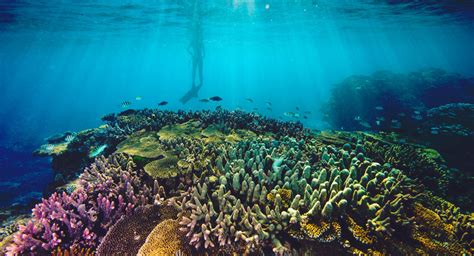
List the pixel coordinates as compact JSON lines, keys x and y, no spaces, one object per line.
{"x":215,"y":98}
{"x":125,"y":104}
{"x":357,"y":118}
{"x":69,"y":138}
{"x":163,"y":103}
{"x":97,"y":151}
{"x":289,"y":114}
{"x":249,"y":100}
{"x":204,"y":100}
{"x":377,"y":122}
{"x":379,"y":108}
{"x":416,"y":112}
{"x":308,"y":112}
{"x":358,"y":88}
{"x":297,"y":109}
{"x":434,"y":132}
{"x":365,"y":124}
{"x":269,"y":108}
{"x":269,"y":103}
{"x":417,"y":117}
{"x":255,"y":109}
{"x":297,"y":115}
{"x":380,"y":118}
{"x":305,"y":117}
{"x":401,"y":114}
{"x":138,"y":98}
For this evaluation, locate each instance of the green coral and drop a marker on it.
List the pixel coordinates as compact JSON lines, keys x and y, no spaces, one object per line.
{"x":166,"y":167}
{"x":142,"y":144}
{"x":248,"y":205}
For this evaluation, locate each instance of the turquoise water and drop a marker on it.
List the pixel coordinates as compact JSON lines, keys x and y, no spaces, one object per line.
{"x":64,"y":64}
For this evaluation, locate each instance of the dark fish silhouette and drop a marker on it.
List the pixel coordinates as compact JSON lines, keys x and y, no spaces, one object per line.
{"x":297,"y":108}
{"x":163,"y":103}
{"x":204,"y":100}
{"x":249,"y":100}
{"x":125,"y":104}
{"x":269,"y":103}
{"x":215,"y":98}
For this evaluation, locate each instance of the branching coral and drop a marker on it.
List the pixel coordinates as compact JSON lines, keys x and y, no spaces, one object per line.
{"x":250,"y":205}
{"x":110,"y":188}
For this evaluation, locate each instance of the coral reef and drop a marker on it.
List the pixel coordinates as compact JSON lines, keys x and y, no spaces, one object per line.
{"x":71,"y":156}
{"x":431,"y":107}
{"x":165,"y":239}
{"x":229,"y":182}
{"x":418,"y":162}
{"x":450,"y":129}
{"x":109,"y":189}
{"x":323,"y":191}
{"x":388,"y":101}
{"x":130,"y":232}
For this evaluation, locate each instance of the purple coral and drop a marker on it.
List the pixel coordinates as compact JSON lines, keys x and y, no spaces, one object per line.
{"x":109,"y":189}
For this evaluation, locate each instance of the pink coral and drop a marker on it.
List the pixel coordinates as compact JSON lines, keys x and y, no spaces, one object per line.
{"x":109,"y":189}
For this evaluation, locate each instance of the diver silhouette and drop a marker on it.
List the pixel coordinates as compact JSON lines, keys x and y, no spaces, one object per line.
{"x":196,"y":50}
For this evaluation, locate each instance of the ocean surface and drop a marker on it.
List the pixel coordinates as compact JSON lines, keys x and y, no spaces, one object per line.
{"x":65,"y":64}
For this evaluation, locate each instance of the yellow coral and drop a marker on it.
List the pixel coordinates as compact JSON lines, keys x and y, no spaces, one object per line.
{"x":142,"y":144}
{"x":166,"y":167}
{"x":333,"y":234}
{"x":73,"y":251}
{"x":315,"y":230}
{"x":285,"y":196}
{"x":163,"y":240}
{"x":431,"y":220}
{"x":359,"y":233}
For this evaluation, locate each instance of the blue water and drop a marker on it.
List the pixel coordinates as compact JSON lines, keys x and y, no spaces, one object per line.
{"x":64,"y":64}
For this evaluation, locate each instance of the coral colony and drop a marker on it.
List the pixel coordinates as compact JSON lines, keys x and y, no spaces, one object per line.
{"x":185,"y":183}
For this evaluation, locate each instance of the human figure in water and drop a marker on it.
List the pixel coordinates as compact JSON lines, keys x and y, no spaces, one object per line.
{"x":196,"y":50}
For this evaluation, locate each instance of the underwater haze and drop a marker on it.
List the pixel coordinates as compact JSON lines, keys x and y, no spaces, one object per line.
{"x":66,"y":64}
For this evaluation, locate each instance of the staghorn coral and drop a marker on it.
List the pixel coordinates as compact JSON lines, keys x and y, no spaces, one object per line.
{"x":246,"y":205}
{"x":109,"y":189}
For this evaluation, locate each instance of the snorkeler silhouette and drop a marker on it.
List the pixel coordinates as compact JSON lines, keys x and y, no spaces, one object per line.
{"x":196,"y":50}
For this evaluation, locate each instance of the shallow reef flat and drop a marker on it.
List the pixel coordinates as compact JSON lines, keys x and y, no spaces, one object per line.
{"x":152,"y":182}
